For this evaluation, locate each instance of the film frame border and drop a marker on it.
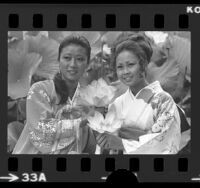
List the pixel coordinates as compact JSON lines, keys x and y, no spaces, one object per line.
{"x":160,"y":21}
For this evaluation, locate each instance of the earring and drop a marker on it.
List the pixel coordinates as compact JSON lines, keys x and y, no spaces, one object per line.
{"x":59,"y":72}
{"x":61,"y":75}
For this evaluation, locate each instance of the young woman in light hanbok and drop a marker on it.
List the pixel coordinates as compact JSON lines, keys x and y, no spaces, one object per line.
{"x":52,"y":100}
{"x":151,"y":122}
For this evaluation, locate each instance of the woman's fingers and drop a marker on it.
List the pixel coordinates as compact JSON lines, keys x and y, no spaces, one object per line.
{"x":100,"y":137}
{"x":104,"y":144}
{"x":101,"y":140}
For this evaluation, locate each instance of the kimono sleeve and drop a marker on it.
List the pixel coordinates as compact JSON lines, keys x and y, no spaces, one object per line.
{"x":164,"y":136}
{"x":40,"y":118}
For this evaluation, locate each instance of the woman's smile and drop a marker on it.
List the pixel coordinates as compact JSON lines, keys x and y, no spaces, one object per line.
{"x":128,"y":78}
{"x":72,"y":72}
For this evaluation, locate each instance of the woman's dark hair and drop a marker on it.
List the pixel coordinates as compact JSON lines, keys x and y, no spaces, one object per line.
{"x":60,"y":86}
{"x":75,"y":39}
{"x":138,"y":43}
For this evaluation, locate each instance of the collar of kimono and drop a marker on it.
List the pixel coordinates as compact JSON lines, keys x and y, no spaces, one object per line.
{"x":147,"y":92}
{"x":75,"y":94}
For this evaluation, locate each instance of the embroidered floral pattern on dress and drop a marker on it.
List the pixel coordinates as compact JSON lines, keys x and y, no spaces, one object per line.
{"x":44,"y":134}
{"x":164,"y":109}
{"x":39,"y":142}
{"x":154,"y":102}
{"x":30,"y":93}
{"x":156,"y":128}
{"x":162,"y":123}
{"x":44,"y":94}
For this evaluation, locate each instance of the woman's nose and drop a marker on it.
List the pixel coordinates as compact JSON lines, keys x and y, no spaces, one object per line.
{"x":126,"y":70}
{"x":73,"y":62}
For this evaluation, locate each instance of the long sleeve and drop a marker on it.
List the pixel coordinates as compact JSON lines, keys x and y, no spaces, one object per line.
{"x":164,"y":135}
{"x":40,"y":118}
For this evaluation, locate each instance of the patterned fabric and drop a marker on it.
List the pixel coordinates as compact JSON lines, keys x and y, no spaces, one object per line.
{"x":43,"y":132}
{"x":153,"y":111}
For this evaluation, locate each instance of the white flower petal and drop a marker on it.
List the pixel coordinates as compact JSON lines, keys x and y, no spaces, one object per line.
{"x":96,"y":121}
{"x":110,"y":117}
{"x":98,"y":93}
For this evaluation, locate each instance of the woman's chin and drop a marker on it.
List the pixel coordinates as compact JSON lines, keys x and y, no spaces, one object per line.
{"x":73,"y":78}
{"x":127,"y":83}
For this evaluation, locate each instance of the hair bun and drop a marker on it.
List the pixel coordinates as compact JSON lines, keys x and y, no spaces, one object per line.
{"x":144,"y":42}
{"x":140,"y":38}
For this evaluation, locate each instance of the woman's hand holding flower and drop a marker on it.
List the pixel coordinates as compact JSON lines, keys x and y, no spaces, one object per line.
{"x":109,"y":141}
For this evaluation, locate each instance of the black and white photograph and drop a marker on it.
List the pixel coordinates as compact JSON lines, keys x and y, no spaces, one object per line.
{"x":99,"y":92}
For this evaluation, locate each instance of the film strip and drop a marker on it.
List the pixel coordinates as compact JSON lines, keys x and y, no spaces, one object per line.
{"x":98,"y":168}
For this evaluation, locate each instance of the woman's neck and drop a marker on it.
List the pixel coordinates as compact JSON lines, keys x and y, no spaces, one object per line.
{"x":72,"y":85}
{"x":137,"y":87}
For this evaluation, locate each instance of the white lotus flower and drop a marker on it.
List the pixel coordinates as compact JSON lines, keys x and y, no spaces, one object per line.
{"x":108,"y":124}
{"x":98,"y":94}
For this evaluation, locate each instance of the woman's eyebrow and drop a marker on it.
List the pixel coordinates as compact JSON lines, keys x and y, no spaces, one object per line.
{"x":131,"y":61}
{"x":66,"y":54}
{"x":80,"y":55}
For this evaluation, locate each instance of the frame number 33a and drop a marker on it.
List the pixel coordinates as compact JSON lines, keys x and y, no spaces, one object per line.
{"x":33,"y":177}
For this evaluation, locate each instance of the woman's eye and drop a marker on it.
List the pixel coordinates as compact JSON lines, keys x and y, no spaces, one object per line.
{"x":119,"y":67}
{"x":81,"y":59}
{"x":131,"y":64}
{"x":67,"y":58}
